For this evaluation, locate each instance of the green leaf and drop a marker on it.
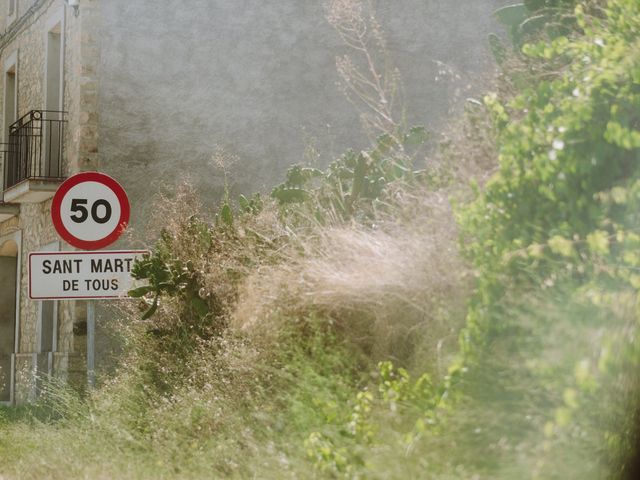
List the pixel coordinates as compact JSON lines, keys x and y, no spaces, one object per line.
{"x":226,"y":214}
{"x":563,"y":416}
{"x":140,"y":291}
{"x":152,"y":309}
{"x":244,"y":203}
{"x":416,"y":136}
{"x":200,"y":306}
{"x":598,"y":242}
{"x":512,"y":15}
{"x":533,"y":5}
{"x":384,"y":143}
{"x":289,"y":195}
{"x":533,"y":24}
{"x":299,"y":176}
{"x":570,"y":397}
{"x":622,"y":136}
{"x":561,"y":246}
{"x":398,"y":170}
{"x":619,"y":195}
{"x":359,"y":174}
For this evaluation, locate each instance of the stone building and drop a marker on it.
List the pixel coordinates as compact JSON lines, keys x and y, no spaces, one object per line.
{"x":48,"y":123}
{"x":146,"y":90}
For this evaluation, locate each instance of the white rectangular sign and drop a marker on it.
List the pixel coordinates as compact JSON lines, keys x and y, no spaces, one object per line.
{"x":81,"y":275}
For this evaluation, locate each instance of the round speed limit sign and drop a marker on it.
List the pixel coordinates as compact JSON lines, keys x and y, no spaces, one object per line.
{"x":90,"y":210}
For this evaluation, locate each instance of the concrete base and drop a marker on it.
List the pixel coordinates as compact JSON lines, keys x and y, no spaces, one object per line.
{"x":25,"y":378}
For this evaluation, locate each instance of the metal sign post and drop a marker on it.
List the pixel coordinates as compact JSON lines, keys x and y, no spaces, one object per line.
{"x":89,"y":211}
{"x":91,"y":344}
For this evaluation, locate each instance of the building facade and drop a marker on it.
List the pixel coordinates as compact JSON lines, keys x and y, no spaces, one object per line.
{"x":49,"y":132}
{"x":147,"y":90}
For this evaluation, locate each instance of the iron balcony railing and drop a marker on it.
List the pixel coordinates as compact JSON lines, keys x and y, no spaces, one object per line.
{"x":35,"y":149}
{"x":4,"y":154}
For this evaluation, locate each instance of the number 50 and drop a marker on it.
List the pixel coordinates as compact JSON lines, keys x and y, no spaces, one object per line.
{"x":78,"y":206}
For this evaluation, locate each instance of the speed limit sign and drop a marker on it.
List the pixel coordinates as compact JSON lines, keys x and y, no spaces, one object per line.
{"x":90,"y":210}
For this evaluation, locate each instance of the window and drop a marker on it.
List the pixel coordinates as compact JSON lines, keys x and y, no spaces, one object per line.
{"x":10,"y":93}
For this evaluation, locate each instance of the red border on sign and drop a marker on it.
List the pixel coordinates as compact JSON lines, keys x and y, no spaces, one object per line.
{"x":107,"y":252}
{"x":125,"y":210}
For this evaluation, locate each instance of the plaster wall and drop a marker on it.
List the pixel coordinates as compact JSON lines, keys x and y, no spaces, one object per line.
{"x":258,"y":78}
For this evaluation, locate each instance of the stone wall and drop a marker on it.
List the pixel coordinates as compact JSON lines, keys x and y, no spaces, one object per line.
{"x":34,"y":220}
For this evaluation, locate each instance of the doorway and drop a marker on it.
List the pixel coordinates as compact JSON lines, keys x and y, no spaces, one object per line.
{"x":8,"y":307}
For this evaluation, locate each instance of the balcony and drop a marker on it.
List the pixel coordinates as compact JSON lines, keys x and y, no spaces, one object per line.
{"x":34,"y":157}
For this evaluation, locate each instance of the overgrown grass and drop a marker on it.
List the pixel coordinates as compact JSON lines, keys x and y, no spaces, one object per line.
{"x":528,"y":410}
{"x":217,"y":422}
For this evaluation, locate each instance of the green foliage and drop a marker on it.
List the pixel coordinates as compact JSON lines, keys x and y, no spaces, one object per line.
{"x":558,"y":152}
{"x":354,"y":182}
{"x":226,"y":216}
{"x":168,"y":275}
{"x":397,"y":387}
{"x":531,"y":18}
{"x":563,"y":208}
{"x":253,"y":205}
{"x":341,"y":453}
{"x":341,"y":448}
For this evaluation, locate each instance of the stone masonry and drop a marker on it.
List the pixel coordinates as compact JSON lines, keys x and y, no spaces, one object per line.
{"x":24,"y":37}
